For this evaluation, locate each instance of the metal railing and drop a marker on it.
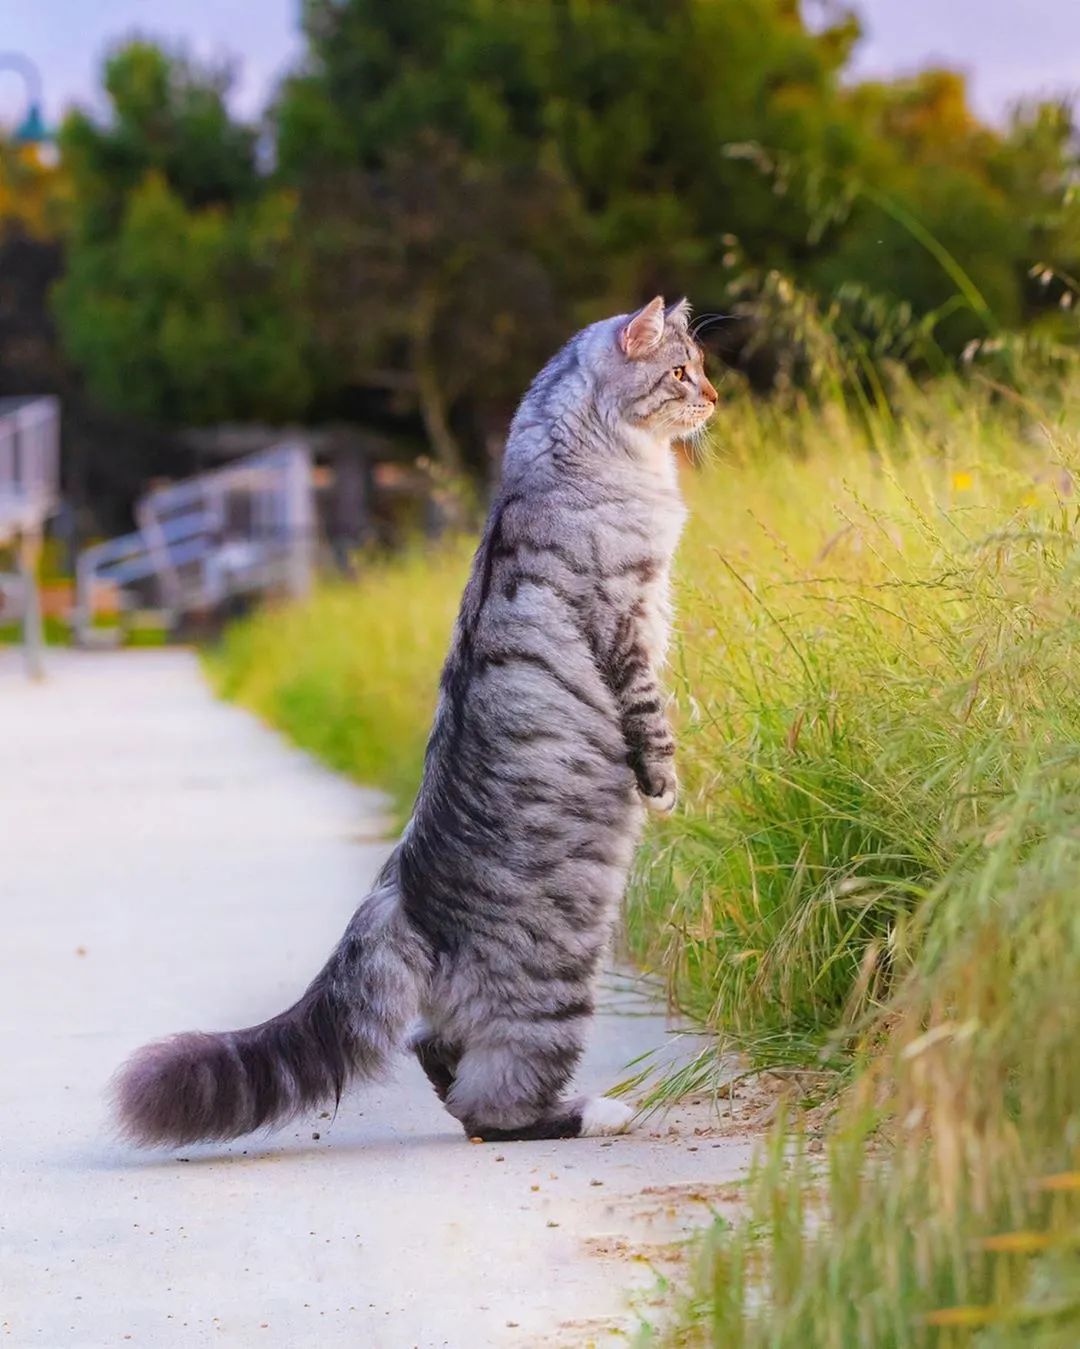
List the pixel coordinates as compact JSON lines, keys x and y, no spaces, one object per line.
{"x":29,"y":463}
{"x":243,"y":529}
{"x":29,"y":495}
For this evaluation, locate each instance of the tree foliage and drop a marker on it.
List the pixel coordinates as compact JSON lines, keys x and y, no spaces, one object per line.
{"x":448,"y":186}
{"x":183,"y":298}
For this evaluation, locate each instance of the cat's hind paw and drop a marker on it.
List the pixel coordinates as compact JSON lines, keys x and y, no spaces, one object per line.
{"x":601,"y":1116}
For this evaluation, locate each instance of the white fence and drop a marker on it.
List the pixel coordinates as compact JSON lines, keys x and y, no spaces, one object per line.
{"x":29,"y":463}
{"x":29,"y":495}
{"x":244,"y":529}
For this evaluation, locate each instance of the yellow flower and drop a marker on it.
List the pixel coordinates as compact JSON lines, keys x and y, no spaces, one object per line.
{"x":962,"y":481}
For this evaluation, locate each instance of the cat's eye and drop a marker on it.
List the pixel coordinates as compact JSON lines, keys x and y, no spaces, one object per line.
{"x":679,"y":372}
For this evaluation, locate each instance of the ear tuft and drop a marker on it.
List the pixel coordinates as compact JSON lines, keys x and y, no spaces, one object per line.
{"x":644,"y":331}
{"x":679,"y":314}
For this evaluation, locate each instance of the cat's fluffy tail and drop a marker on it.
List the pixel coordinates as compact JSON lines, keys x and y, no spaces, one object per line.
{"x":347,"y":1025}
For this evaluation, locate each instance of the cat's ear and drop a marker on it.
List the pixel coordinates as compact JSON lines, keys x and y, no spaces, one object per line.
{"x":644,"y":331}
{"x":679,"y":314}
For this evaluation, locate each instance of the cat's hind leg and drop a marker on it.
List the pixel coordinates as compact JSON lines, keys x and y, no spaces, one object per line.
{"x":509,"y":1085}
{"x":439,"y":1061}
{"x":585,"y":1117}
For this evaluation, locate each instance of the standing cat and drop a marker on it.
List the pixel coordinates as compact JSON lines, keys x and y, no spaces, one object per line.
{"x":486,"y":925}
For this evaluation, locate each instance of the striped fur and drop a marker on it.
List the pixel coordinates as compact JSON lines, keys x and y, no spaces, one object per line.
{"x":488,"y":922}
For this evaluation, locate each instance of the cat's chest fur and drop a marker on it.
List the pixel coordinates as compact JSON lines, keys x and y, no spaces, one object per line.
{"x":664,"y":514}
{"x":657,"y":611}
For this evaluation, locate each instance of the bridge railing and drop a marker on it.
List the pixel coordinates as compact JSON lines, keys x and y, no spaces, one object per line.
{"x":29,"y":495}
{"x":29,"y":463}
{"x":246,"y":528}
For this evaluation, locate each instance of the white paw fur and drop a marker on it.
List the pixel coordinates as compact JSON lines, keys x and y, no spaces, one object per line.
{"x":663,"y":804}
{"x":601,"y":1115}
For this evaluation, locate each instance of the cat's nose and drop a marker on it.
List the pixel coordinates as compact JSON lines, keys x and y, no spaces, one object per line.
{"x":707,"y":391}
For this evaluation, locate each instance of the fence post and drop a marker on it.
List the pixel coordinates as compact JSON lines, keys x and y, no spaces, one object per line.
{"x":33,"y":635}
{"x":299,"y":523}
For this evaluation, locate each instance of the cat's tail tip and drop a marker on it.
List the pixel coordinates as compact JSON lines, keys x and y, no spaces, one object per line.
{"x":197,"y":1087}
{"x":177,"y":1091}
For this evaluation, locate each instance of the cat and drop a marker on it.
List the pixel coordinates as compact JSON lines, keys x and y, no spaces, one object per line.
{"x":484,"y":930}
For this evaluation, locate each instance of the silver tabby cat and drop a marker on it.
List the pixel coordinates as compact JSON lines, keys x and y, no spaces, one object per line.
{"x":479,"y":945}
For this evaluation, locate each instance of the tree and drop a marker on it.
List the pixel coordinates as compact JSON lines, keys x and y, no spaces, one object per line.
{"x":183,"y":299}
{"x":433,"y":282}
{"x":190,"y":316}
{"x":34,"y":195}
{"x":445,"y":257}
{"x":454,"y":185}
{"x":476,"y":178}
{"x":1037,"y":169}
{"x":34,"y":199}
{"x":166,"y":116}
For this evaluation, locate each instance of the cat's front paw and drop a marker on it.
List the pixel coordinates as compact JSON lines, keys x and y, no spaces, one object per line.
{"x":659,"y":787}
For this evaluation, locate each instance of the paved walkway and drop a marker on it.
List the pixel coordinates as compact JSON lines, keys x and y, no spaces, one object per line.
{"x":167,"y":863}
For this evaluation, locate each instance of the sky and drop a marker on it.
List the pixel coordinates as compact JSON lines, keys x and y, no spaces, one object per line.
{"x":1007,"y":47}
{"x":67,"y":39}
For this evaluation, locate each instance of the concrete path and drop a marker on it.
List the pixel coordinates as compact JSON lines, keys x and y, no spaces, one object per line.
{"x":168,"y":863}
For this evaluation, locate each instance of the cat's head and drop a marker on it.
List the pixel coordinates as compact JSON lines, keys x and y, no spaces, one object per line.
{"x":652,"y":372}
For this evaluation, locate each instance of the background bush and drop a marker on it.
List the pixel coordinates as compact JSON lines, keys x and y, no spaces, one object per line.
{"x":442,"y":191}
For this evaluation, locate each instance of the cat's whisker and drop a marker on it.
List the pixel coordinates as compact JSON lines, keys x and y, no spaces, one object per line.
{"x":707,"y":321}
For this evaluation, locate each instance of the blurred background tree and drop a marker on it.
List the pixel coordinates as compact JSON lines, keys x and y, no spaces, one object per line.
{"x":34,"y":202}
{"x":182,"y":297}
{"x":444,"y":188}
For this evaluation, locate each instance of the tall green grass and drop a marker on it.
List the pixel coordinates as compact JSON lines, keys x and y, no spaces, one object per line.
{"x":877,"y":865}
{"x":873,"y":635}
